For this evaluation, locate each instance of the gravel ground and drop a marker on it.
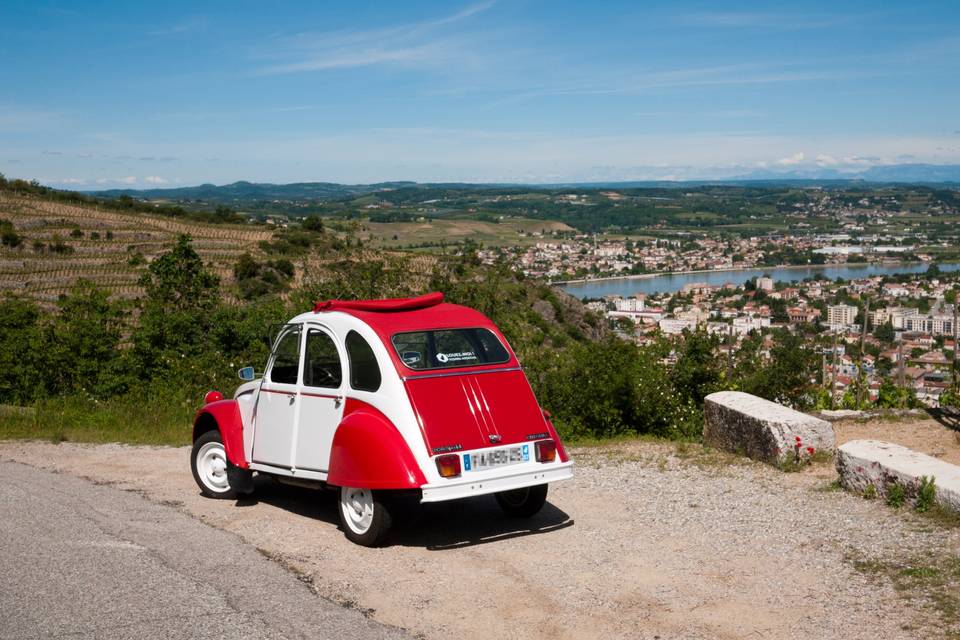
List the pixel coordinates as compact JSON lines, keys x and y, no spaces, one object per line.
{"x":646,"y":541}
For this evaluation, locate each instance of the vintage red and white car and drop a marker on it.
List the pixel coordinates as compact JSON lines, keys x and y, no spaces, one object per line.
{"x":382,"y":397}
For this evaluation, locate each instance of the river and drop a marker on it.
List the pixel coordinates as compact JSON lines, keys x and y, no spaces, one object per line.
{"x":671,"y":282}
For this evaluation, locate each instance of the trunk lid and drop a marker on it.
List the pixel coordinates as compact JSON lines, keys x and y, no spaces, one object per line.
{"x":463,"y":411}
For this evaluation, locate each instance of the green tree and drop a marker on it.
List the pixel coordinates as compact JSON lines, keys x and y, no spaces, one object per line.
{"x":83,"y":342}
{"x":893,"y":397}
{"x":790,"y":375}
{"x":885,"y":333}
{"x":23,"y":352}
{"x":313,"y":223}
{"x":698,"y":371}
{"x":177,"y":310}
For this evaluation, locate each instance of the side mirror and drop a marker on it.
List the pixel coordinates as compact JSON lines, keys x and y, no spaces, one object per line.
{"x":247,"y":374}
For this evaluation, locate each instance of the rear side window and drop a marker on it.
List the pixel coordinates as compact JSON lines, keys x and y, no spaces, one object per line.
{"x":321,"y":363}
{"x":364,"y":370}
{"x":449,"y":348}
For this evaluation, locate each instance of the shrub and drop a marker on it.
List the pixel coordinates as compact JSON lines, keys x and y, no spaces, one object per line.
{"x":926,"y":494}
{"x":9,"y":237}
{"x":896,"y":495}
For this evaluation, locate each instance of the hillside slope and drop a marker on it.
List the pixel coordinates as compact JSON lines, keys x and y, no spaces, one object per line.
{"x":61,"y":243}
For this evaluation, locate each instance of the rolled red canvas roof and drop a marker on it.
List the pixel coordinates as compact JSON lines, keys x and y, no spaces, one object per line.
{"x":387,"y":305}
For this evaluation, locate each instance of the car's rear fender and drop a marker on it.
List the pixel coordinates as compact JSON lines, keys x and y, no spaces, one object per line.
{"x":224,"y":416}
{"x":556,"y":437}
{"x":369,"y":453}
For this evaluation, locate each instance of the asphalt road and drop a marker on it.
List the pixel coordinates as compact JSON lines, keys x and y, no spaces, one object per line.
{"x":86,"y":560}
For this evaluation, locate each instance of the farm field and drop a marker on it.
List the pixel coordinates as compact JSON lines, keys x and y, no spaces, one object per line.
{"x":508,"y":232}
{"x":110,"y":248}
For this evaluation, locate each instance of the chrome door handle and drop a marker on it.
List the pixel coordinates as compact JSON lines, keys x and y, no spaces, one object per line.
{"x":337,"y":401}
{"x":292,"y":398}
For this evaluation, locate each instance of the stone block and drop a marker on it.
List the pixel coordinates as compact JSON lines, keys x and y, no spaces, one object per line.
{"x":864,"y":463}
{"x":745,"y":424}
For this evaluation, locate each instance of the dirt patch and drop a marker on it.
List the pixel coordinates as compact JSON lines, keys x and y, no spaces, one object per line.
{"x":647,"y":540}
{"x":922,"y":434}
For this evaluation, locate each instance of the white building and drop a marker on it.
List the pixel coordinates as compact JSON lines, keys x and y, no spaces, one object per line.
{"x":636,"y":303}
{"x":939,"y":322}
{"x":674,"y":326}
{"x":765,"y":283}
{"x":745,"y":324}
{"x":841,"y":315}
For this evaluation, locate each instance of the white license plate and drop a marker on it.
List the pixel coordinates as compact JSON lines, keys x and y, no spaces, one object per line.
{"x":493,"y":458}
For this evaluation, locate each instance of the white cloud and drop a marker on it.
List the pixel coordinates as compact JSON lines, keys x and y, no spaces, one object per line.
{"x":796,"y":158}
{"x":124,"y":180}
{"x":187,"y":26}
{"x":73,"y":181}
{"x":418,"y":43}
{"x":155,"y":180}
{"x":824,"y":160}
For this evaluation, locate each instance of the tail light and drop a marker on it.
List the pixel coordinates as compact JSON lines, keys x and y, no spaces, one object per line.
{"x":448,"y":466}
{"x":212,"y":396}
{"x":546,"y":451}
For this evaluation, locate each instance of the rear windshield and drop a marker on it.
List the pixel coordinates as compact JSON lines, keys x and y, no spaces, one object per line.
{"x":448,"y":348}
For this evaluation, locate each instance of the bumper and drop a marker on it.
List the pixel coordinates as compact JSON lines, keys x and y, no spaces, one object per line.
{"x":478,"y":486}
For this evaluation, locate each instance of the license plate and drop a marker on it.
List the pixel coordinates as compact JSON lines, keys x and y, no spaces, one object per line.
{"x":493,"y":458}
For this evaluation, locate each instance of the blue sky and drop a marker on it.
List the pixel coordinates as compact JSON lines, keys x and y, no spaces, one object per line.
{"x":101,"y":94}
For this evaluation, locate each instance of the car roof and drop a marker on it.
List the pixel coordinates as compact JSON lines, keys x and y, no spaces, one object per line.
{"x":396,"y":315}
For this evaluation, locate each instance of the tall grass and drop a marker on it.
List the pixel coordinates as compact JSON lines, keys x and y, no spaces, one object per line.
{"x":130,"y":419}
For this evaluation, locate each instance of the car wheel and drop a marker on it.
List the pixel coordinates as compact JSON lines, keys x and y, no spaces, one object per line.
{"x":208,"y":461}
{"x":522,"y":503}
{"x":364,"y":518}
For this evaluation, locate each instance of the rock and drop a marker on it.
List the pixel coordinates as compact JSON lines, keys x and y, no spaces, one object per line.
{"x":745,"y":424}
{"x":840,"y":414}
{"x":864,"y":463}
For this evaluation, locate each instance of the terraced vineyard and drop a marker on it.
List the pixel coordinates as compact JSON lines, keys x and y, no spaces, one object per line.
{"x":108,"y":247}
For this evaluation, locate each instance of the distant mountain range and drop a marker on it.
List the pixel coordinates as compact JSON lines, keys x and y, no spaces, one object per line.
{"x":947,"y":175}
{"x":247,"y":191}
{"x":898,"y":173}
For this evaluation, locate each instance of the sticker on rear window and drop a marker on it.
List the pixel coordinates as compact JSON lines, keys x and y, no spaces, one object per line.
{"x":456,"y":357}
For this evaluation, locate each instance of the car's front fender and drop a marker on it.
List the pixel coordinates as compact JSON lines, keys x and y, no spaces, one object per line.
{"x":223,"y":415}
{"x":369,"y":453}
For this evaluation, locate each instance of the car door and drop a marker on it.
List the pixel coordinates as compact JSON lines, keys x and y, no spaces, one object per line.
{"x":277,"y":404}
{"x":321,"y":399}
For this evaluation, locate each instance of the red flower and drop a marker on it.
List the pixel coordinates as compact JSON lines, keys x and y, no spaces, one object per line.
{"x":798,"y":438}
{"x":810,"y":450}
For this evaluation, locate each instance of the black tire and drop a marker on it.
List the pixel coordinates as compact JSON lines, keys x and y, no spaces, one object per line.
{"x":522,"y":503}
{"x":209,"y":482}
{"x":355,"y":527}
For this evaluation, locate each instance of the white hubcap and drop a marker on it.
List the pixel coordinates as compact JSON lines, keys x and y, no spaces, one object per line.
{"x":357,"y":507}
{"x":212,"y":467}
